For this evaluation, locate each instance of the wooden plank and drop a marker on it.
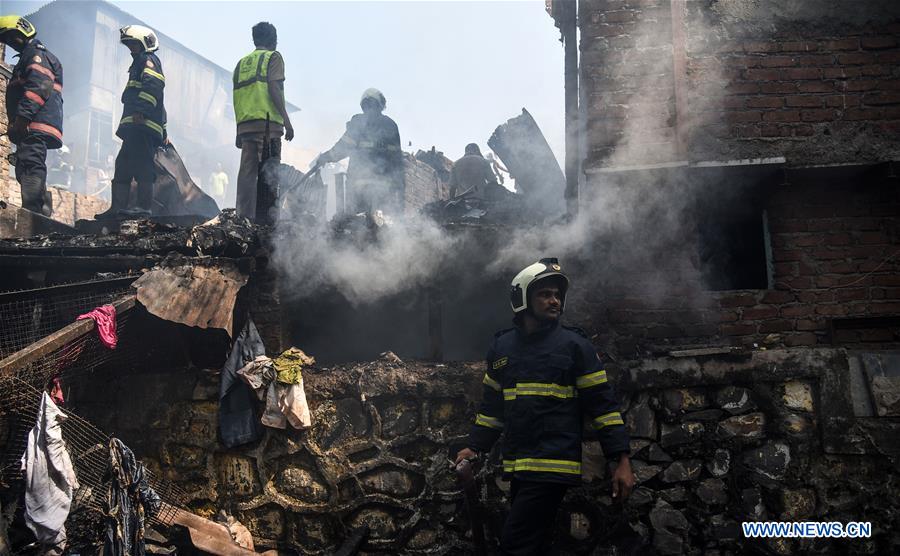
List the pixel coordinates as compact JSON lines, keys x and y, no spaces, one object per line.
{"x":57,"y":340}
{"x":207,"y":535}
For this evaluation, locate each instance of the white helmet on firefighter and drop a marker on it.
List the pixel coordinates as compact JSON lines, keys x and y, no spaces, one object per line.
{"x":141,"y":35}
{"x":14,"y":26}
{"x":545,"y":268}
{"x":373,"y":94}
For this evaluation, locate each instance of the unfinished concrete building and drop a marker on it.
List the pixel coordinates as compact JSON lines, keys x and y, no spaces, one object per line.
{"x":735,"y":252}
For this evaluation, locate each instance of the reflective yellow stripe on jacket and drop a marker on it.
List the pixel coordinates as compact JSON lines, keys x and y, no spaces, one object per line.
{"x":149,"y":123}
{"x":593,"y":379}
{"x":488,"y":381}
{"x":542,"y":465}
{"x":148,"y":97}
{"x":155,"y":74}
{"x":614,"y":418}
{"x":488,"y":421}
{"x":539,"y":389}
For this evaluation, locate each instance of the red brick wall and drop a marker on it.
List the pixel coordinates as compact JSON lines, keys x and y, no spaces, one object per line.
{"x":5,"y":145}
{"x":816,"y":83}
{"x":751,"y":86}
{"x":836,"y":254}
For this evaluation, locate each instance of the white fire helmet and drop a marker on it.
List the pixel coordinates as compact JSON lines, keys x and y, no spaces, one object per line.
{"x":375,"y":95}
{"x":140,"y":34}
{"x":518,"y":293}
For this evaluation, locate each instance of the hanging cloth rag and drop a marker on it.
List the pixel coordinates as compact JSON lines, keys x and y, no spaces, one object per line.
{"x":238,"y":423}
{"x":105,"y":319}
{"x":288,"y":388}
{"x":49,"y":477}
{"x":129,"y":501}
{"x":280,"y":383}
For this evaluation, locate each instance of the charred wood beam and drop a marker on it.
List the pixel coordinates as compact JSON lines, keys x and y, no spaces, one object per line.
{"x":57,"y":340}
{"x":97,"y":264}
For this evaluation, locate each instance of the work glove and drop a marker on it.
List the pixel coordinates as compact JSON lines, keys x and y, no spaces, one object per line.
{"x":288,"y":131}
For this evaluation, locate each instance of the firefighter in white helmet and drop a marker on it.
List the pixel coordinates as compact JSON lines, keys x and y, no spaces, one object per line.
{"x":142,"y":127}
{"x":541,"y":379}
{"x":372,"y":141}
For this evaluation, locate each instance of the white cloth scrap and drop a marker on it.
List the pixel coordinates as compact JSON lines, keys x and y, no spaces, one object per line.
{"x":49,"y":476}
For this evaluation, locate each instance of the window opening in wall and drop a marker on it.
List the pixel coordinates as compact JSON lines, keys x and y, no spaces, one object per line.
{"x":733,"y":244}
{"x":100,"y":138}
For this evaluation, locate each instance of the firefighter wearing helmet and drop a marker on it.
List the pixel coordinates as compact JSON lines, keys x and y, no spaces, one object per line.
{"x":34,"y":110}
{"x":541,"y":379}
{"x":142,"y":127}
{"x":372,"y":141}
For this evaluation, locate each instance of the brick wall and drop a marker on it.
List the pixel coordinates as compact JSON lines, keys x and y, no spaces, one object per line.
{"x":673,"y":80}
{"x":5,"y":145}
{"x":835,"y":255}
{"x":422,"y":185}
{"x":754,"y":83}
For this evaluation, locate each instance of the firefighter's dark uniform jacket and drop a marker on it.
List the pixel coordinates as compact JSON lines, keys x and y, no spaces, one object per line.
{"x":34,"y":92}
{"x":372,"y":141}
{"x":144,"y":93}
{"x":537,"y":389}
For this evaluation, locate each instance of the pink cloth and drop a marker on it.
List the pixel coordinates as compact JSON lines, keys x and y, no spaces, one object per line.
{"x":56,"y":392}
{"x":105,"y":319}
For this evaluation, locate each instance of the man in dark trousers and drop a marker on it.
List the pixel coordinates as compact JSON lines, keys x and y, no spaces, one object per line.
{"x":34,"y":109}
{"x":541,"y":379}
{"x":375,"y":172}
{"x":142,"y":127}
{"x":472,"y":173}
{"x":258,"y":92}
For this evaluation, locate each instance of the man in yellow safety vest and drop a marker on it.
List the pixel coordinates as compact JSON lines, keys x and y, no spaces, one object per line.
{"x":258,"y":93}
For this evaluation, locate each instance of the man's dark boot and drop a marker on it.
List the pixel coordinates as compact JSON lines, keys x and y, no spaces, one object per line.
{"x":119,"y":194}
{"x":144,"y":202}
{"x":33,"y":191}
{"x":47,"y":209}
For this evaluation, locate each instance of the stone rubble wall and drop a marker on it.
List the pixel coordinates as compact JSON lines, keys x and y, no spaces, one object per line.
{"x":771,"y":436}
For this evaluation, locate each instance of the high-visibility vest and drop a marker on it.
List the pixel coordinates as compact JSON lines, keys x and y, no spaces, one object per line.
{"x":251,"y":89}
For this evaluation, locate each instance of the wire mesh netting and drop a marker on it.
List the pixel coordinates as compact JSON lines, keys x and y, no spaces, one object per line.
{"x":28,"y":316}
{"x":32,"y":317}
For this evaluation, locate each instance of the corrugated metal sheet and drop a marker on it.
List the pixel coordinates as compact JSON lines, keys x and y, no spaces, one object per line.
{"x":193,"y":295}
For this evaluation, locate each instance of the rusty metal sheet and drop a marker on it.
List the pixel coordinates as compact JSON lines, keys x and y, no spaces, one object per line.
{"x":201,"y":296}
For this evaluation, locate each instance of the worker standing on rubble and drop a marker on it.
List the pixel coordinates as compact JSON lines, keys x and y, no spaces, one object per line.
{"x":472,"y":173}
{"x":541,"y":377}
{"x":375,"y":172}
{"x":258,"y":94}
{"x":34,"y":110}
{"x":142,"y":127}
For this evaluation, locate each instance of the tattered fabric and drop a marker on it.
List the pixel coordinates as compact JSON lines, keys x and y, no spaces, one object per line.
{"x":129,"y":501}
{"x":49,"y":477}
{"x":105,"y":320}
{"x":238,"y":423}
